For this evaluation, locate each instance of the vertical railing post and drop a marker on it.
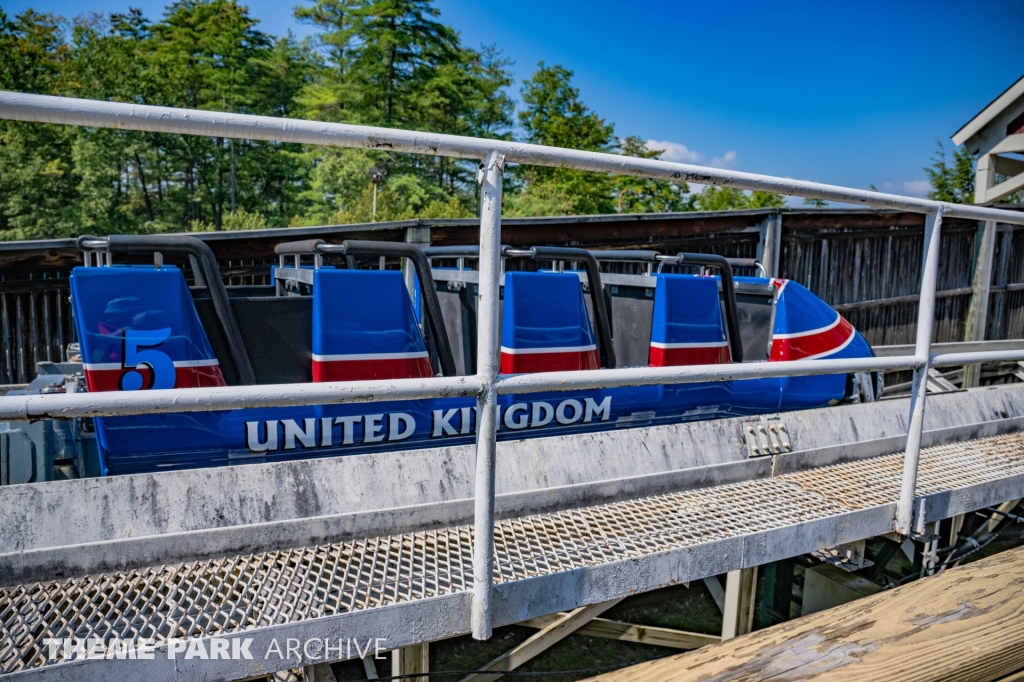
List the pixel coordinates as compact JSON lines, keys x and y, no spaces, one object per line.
{"x":925,"y":321}
{"x":487,"y":404}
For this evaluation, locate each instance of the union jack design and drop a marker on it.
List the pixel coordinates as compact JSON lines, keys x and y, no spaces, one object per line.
{"x":826,"y":331}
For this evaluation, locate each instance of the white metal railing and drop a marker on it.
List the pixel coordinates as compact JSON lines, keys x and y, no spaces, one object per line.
{"x":487,"y":384}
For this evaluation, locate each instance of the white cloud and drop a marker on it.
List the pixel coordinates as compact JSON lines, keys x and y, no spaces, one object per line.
{"x":914,"y":188}
{"x":680,"y":153}
{"x":725,"y":161}
{"x":917,"y":188}
{"x":674,"y":151}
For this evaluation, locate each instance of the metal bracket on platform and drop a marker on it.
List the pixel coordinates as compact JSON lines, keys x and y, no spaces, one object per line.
{"x":766,"y":437}
{"x":849,"y":557}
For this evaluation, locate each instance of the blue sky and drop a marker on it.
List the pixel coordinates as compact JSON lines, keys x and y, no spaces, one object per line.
{"x":847,"y":93}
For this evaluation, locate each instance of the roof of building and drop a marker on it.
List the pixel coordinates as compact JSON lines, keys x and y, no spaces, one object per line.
{"x":986,"y":115}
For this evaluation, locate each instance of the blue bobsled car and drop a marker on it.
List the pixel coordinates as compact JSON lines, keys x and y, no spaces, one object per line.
{"x":323,"y":318}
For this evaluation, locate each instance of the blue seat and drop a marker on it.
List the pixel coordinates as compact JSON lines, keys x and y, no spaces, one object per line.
{"x":688,"y":327}
{"x":139,"y":330}
{"x":364,"y":327}
{"x":545,"y":326}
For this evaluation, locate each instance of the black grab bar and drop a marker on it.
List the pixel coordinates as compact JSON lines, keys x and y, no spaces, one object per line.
{"x":206,"y":263}
{"x":358,"y":247}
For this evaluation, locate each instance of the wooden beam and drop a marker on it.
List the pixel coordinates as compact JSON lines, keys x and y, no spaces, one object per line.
{"x":1005,"y":188}
{"x":981,"y":284}
{"x":1009,"y":145}
{"x":738,"y":615}
{"x":319,"y":672}
{"x":1007,"y":165}
{"x":962,"y":624}
{"x":370,"y":668}
{"x":937,"y":383}
{"x":717,"y":592}
{"x":547,"y":637}
{"x":411,"y":660}
{"x":1005,"y":507}
{"x":626,"y":632}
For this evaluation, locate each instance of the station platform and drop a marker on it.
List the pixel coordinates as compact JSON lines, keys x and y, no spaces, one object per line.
{"x":415,"y":587}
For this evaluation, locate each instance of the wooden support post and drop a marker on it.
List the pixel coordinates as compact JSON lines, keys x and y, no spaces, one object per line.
{"x":984,"y":178}
{"x":547,"y":637}
{"x":770,"y":244}
{"x":981,"y":284}
{"x":1002,"y":277}
{"x":625,"y":632}
{"x":370,"y":667}
{"x":410,"y":660}
{"x":738,"y":618}
{"x":717,"y":592}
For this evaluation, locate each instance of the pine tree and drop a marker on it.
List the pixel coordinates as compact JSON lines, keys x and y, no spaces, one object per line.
{"x":951,"y":181}
{"x":554,"y":115}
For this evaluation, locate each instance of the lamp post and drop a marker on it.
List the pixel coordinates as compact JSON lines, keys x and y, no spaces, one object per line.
{"x":375,"y":177}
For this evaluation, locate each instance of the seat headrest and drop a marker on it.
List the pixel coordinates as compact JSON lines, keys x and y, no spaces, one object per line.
{"x":139,"y":330}
{"x":364,"y":327}
{"x":687,"y":327}
{"x":545,"y":326}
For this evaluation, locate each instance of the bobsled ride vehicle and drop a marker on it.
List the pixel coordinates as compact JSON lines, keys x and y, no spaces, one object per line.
{"x":335,"y":312}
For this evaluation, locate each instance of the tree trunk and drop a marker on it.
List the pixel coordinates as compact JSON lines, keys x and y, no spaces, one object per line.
{"x":145,"y":190}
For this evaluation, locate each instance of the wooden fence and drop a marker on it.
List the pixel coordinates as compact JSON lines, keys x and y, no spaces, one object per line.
{"x":865,"y":263}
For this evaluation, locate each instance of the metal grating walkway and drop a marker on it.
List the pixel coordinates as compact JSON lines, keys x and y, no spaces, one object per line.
{"x":241,"y":592}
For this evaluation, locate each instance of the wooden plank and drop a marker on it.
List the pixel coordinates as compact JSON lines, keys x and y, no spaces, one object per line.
{"x":717,"y":592}
{"x":981,"y":283}
{"x":738,"y":614}
{"x":962,"y":624}
{"x":626,"y":632}
{"x":898,"y":300}
{"x":547,"y":637}
{"x":411,"y":660}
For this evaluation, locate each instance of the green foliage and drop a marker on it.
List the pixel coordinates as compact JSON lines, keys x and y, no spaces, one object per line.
{"x":952,"y":180}
{"x":37,"y":183}
{"x":643,"y":195}
{"x":554,"y":115}
{"x":239,"y":220}
{"x":727,"y":198}
{"x":390,"y":63}
{"x":60,"y":181}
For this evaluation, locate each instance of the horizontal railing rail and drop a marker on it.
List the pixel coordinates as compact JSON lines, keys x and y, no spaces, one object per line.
{"x":102,"y":114}
{"x":487,"y":384}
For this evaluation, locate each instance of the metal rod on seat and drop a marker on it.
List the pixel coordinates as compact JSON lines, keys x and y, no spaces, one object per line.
{"x":205,"y":263}
{"x":732,"y":319}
